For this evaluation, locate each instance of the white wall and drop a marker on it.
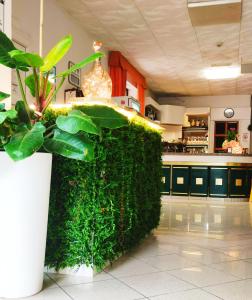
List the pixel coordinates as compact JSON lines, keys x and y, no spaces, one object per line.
{"x":208,"y":101}
{"x":5,"y":82}
{"x":171,"y":133}
{"x":217,"y":104}
{"x":57,"y":23}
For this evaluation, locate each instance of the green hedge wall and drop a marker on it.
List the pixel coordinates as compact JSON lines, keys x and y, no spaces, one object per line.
{"x":101,"y":209}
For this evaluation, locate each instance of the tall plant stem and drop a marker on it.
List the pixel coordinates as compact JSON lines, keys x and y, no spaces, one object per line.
{"x":44,"y":84}
{"x":36,"y":86}
{"x":27,"y":108}
{"x":54,"y":94}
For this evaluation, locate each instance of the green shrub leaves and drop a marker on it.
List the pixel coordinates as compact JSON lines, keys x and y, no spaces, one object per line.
{"x":71,"y":146}
{"x":77,"y":121}
{"x":102,"y":208}
{"x":25,"y":141}
{"x":105,"y":116}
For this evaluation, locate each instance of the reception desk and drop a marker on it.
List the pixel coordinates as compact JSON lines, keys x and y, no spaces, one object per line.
{"x":207,"y":175}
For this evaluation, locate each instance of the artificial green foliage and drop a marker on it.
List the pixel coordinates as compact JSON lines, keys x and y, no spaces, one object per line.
{"x":100,"y":209}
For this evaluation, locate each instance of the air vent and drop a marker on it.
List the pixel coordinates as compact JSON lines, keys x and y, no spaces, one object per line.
{"x":211,"y":12}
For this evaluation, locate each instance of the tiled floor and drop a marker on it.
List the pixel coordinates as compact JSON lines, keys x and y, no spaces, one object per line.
{"x":200,"y":251}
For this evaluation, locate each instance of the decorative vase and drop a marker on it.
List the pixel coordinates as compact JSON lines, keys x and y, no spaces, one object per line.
{"x":97,"y":83}
{"x":24,"y":201}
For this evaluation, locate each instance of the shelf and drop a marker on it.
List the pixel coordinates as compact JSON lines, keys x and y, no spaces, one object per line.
{"x":197,"y":145}
{"x":195,"y":129}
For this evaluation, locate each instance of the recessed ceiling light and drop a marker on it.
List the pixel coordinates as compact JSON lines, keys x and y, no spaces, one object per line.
{"x":222,"y":72}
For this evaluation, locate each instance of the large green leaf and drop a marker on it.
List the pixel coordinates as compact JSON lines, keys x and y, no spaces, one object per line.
{"x":71,"y":146}
{"x":25,"y":141}
{"x":81,"y":64}
{"x":3,"y":96}
{"x":57,"y":53}
{"x":2,"y":106}
{"x":105,"y":116}
{"x":22,"y":114}
{"x":26,"y":58}
{"x":10,"y":114}
{"x":77,"y":121}
{"x":6,"y":46}
{"x":30,"y":83}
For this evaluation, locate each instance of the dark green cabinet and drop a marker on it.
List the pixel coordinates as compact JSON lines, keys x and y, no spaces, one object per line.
{"x":204,"y":181}
{"x":218,"y":185}
{"x":180,"y":180}
{"x":238,"y":183}
{"x":166,"y":180}
{"x":199,"y":181}
{"x":249,"y":178}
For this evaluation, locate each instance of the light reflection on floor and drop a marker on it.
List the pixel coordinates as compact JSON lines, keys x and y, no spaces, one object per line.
{"x":217,"y":218}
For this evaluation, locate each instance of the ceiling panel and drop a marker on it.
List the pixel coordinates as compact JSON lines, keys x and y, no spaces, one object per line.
{"x":159,"y":39}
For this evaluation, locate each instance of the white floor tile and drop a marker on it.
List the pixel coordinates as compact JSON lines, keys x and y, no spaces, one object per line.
{"x":195,"y":294}
{"x":48,"y":294}
{"x":202,"y":276}
{"x":239,"y":290}
{"x":66,"y":280}
{"x":239,"y":268}
{"x":156,"y":283}
{"x":239,"y":252}
{"x":205,"y":256}
{"x":128,"y":266}
{"x":48,"y":282}
{"x":170,"y":262}
{"x":150,"y":250}
{"x":102,"y":290}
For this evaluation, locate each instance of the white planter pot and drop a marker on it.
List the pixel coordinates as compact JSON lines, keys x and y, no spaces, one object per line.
{"x":24,"y":201}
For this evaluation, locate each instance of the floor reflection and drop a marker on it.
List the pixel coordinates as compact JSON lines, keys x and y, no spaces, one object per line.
{"x":204,"y":216}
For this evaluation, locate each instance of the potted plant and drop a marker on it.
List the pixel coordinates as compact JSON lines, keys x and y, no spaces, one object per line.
{"x":26,"y":141}
{"x":231,"y":144}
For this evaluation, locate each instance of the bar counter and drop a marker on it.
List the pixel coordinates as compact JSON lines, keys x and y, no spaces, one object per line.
{"x":209,"y":159}
{"x":207,"y":175}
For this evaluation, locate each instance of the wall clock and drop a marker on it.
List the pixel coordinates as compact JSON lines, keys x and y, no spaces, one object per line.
{"x":229,"y":113}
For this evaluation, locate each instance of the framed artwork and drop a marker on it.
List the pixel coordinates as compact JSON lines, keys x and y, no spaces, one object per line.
{"x":75,"y":77}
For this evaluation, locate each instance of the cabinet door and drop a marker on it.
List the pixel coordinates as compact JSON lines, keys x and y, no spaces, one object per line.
{"x":166,"y":180}
{"x":249,"y":181}
{"x":238,"y":183}
{"x":218,"y":182}
{"x":172,"y":114}
{"x":180,"y":180}
{"x":199,"y":181}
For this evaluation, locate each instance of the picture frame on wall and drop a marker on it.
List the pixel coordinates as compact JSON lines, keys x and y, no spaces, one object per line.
{"x":75,"y":77}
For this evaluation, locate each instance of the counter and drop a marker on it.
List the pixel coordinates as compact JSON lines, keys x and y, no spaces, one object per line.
{"x":102,"y":208}
{"x":207,"y":159}
{"x":207,"y":175}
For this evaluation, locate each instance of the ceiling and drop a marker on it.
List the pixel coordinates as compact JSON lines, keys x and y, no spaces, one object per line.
{"x":157,"y":37}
